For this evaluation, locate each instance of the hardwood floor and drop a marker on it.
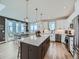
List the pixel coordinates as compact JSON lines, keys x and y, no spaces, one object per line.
{"x":56,"y":51}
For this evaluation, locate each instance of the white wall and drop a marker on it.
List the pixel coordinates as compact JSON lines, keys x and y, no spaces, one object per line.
{"x":16,"y":9}
{"x":63,"y":24}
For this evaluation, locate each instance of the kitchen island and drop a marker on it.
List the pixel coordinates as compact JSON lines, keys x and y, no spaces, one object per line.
{"x":34,"y":47}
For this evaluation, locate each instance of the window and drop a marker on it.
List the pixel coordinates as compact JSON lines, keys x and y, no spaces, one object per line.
{"x":17,"y":26}
{"x":33,"y":27}
{"x":23,"y":27}
{"x":10,"y":26}
{"x":52,"y":25}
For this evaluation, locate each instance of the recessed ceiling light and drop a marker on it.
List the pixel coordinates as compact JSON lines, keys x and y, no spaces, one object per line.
{"x":64,"y":7}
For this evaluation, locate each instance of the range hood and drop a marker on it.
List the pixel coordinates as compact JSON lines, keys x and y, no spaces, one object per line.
{"x":2,"y":7}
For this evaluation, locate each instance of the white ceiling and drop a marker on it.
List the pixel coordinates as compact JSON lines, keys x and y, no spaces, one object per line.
{"x":50,"y":9}
{"x":15,"y":9}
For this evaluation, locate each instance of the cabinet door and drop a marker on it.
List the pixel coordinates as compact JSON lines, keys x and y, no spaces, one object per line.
{"x":71,"y":44}
{"x":78,"y":34}
{"x":33,"y":52}
{"x":2,"y":29}
{"x":24,"y":51}
{"x":76,"y":55}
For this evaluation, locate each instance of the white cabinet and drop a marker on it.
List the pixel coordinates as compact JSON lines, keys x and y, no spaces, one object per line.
{"x":52,"y":37}
{"x":71,"y":45}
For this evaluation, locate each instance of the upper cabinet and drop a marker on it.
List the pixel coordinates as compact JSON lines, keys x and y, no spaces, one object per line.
{"x":76,"y":40}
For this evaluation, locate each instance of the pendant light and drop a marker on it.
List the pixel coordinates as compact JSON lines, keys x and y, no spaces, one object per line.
{"x":36,"y":14}
{"x":2,"y":6}
{"x":26,"y":17}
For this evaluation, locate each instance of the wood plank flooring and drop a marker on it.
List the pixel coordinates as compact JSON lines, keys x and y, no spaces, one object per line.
{"x":56,"y":51}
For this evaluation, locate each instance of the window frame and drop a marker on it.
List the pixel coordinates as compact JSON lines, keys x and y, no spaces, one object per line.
{"x":49,"y":25}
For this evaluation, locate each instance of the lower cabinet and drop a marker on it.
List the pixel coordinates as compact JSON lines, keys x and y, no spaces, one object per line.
{"x":71,"y":45}
{"x":24,"y":51}
{"x":76,"y":54}
{"x":34,"y":52}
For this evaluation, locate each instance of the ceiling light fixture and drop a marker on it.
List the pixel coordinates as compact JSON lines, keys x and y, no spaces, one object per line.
{"x":36,"y":14}
{"x":64,"y":7}
{"x":26,"y":18}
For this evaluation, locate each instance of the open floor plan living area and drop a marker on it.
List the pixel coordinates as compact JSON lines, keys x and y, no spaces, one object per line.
{"x":39,"y":29}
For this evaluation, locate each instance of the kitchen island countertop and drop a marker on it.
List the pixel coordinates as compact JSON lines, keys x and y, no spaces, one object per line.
{"x":36,"y":41}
